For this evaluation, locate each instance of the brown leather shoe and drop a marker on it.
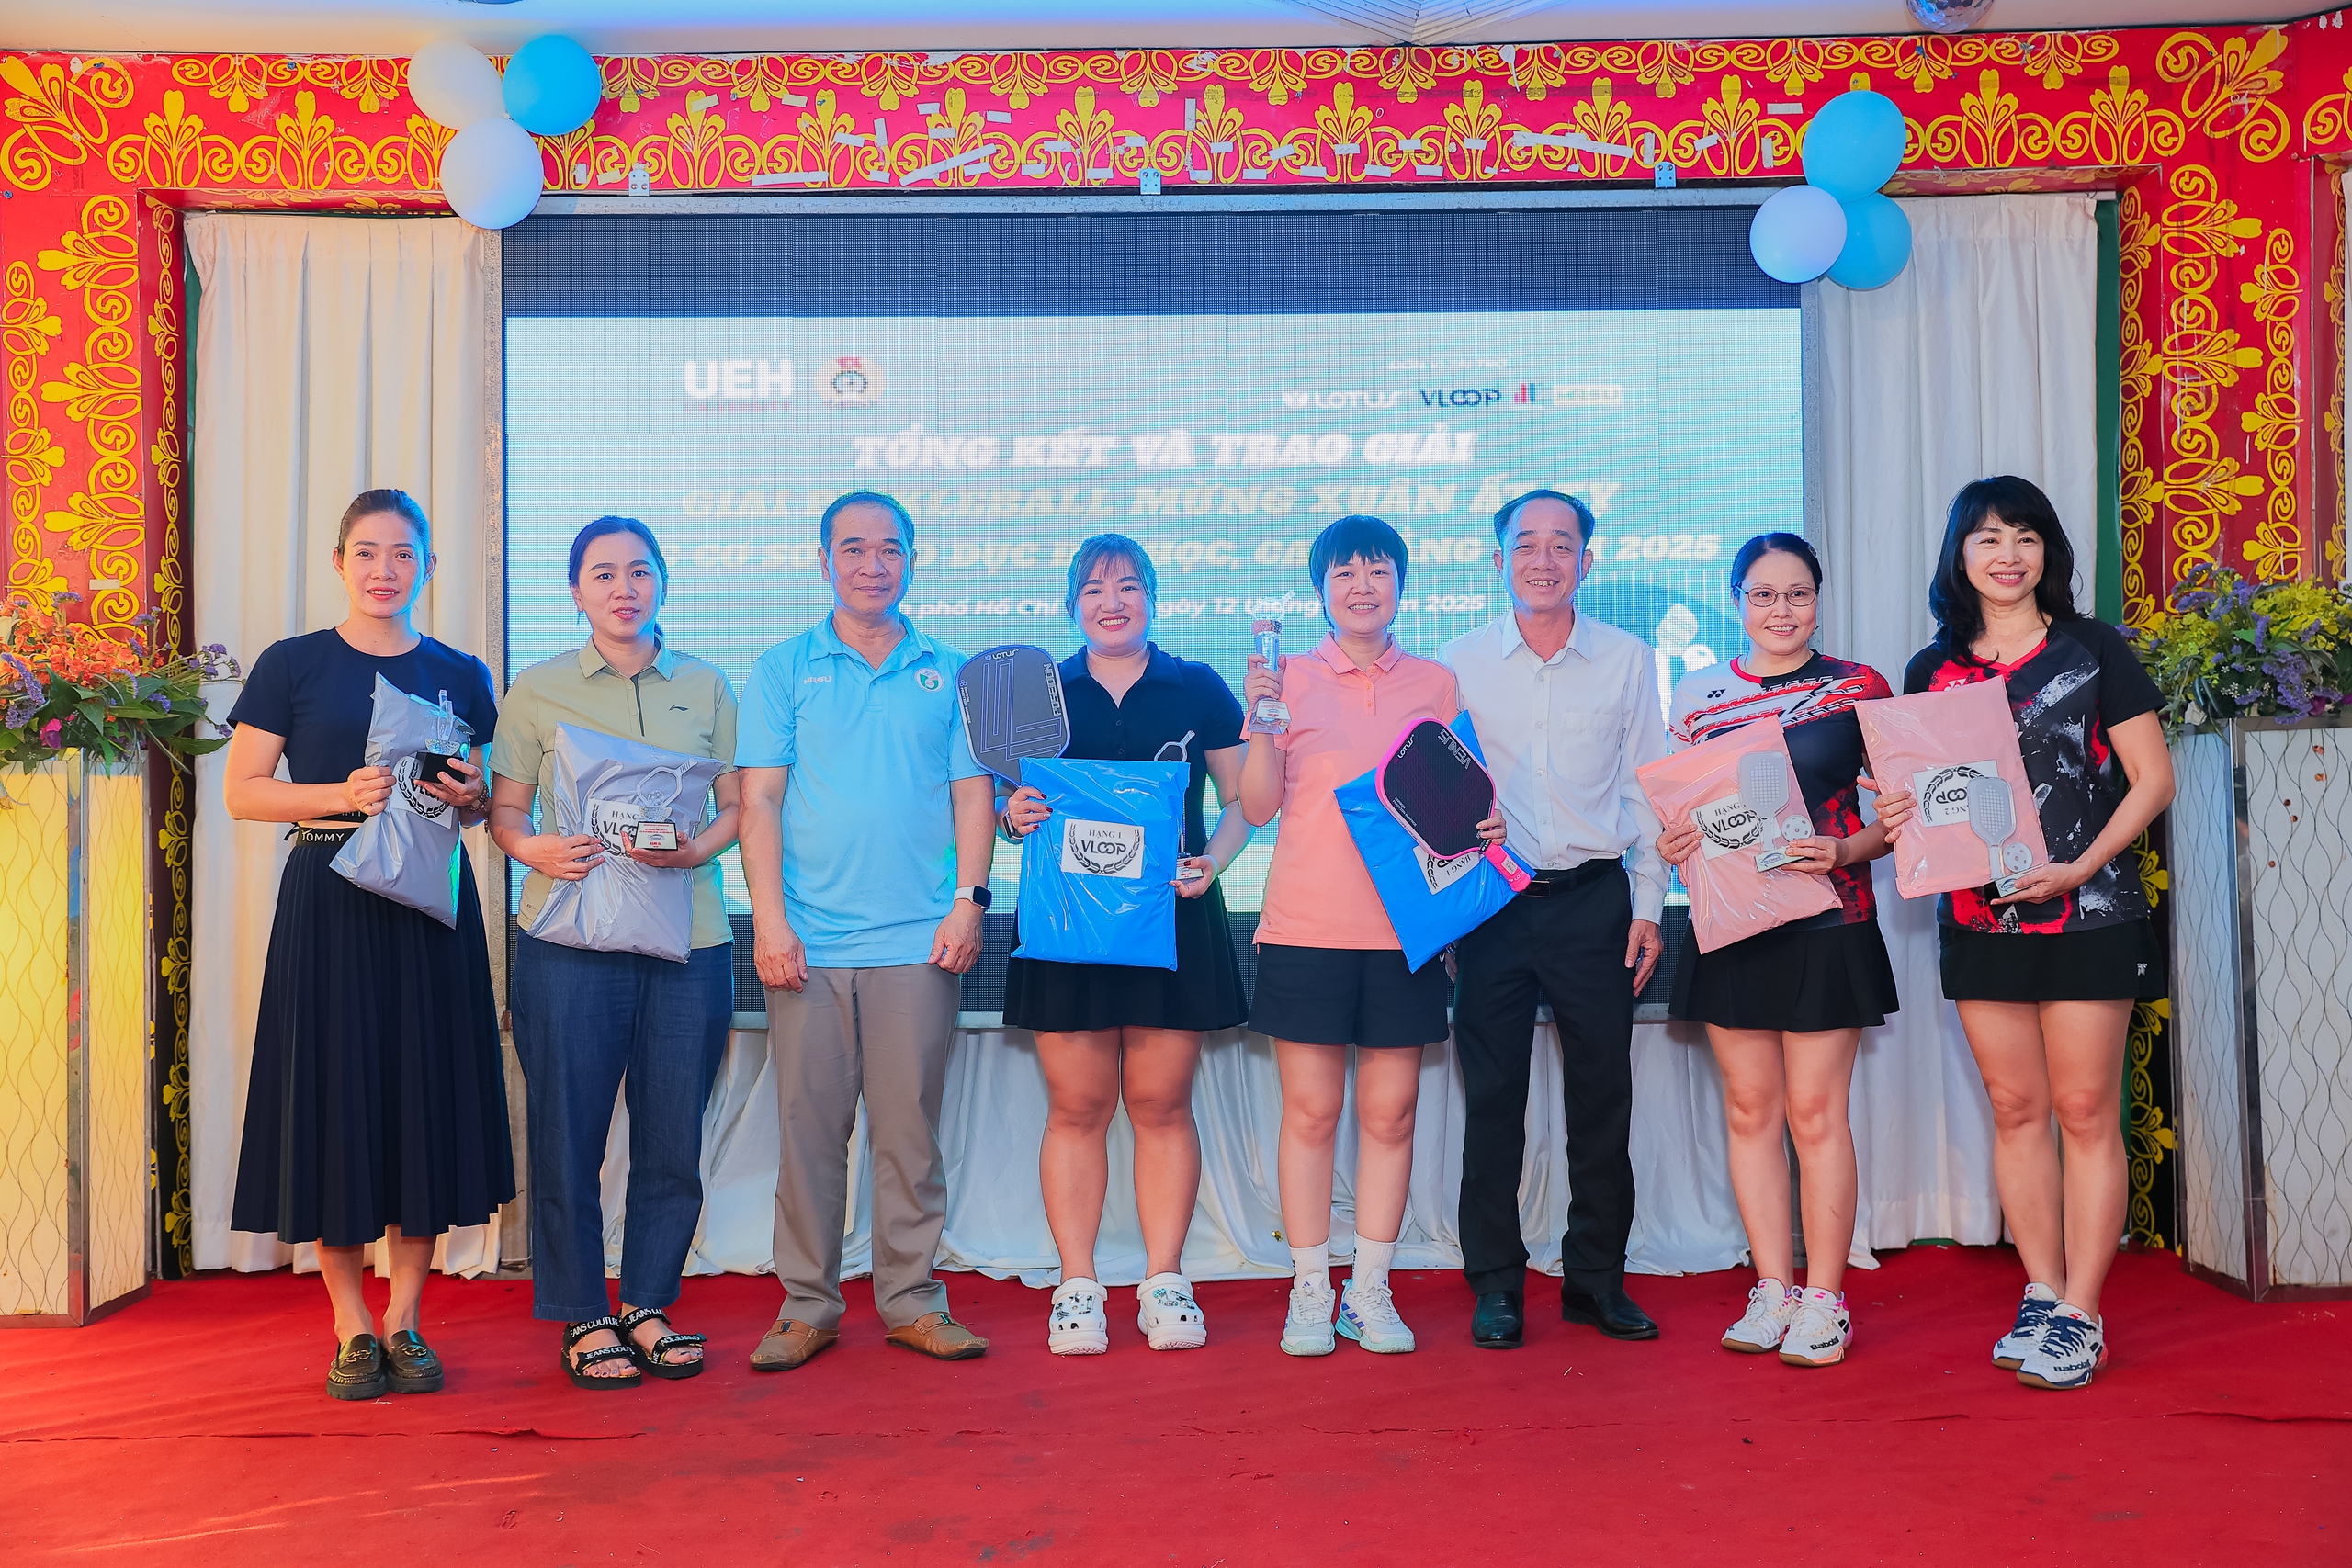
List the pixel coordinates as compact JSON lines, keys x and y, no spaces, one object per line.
{"x":790,"y":1343}
{"x":938,"y":1336}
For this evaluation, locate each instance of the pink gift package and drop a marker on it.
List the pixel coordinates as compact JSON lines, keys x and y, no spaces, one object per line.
{"x":1741,"y":793}
{"x":1956,"y":751}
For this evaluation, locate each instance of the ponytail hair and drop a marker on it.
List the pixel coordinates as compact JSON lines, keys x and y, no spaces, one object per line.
{"x":602,"y":527}
{"x":376,"y":503}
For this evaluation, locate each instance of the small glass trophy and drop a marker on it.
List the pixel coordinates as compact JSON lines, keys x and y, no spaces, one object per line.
{"x":1272,"y":716}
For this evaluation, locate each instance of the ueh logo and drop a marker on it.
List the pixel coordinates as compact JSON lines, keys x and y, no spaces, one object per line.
{"x":1101,"y":848}
{"x":739,"y":381}
{"x":850,"y":382}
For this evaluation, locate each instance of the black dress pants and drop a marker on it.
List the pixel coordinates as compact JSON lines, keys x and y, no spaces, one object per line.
{"x":1567,"y":949}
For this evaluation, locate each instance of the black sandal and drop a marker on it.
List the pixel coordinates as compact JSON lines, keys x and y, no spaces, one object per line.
{"x":574,"y":1333}
{"x":652,"y":1361}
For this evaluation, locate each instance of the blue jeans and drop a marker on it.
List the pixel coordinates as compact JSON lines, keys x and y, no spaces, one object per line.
{"x":584,"y":1024}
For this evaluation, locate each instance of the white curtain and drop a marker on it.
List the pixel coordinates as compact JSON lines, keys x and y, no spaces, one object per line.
{"x":332,"y":355}
{"x":995,"y":1114}
{"x":1979,"y":359}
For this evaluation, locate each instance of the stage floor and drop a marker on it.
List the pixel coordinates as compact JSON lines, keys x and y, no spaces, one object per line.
{"x":191,"y":1428}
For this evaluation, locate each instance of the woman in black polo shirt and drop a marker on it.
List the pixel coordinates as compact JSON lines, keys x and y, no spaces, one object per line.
{"x":1104,"y":1029}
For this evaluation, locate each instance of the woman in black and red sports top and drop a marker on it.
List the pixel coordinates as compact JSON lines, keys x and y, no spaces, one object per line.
{"x":2045,"y":979}
{"x":1785,"y":1008}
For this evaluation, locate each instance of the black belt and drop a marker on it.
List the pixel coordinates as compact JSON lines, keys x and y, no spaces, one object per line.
{"x":1543,"y":884}
{"x":331,"y":832}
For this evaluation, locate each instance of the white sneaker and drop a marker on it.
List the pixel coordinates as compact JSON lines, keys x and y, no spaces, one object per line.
{"x":2070,"y":1352}
{"x":1078,"y":1326}
{"x":1168,"y":1315}
{"x":1368,"y":1316}
{"x":2010,"y":1349}
{"x":1821,"y":1330}
{"x":1307,"y":1330}
{"x":1771,"y":1306}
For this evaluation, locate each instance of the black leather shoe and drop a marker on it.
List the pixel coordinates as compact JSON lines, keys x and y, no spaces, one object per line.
{"x":410,"y":1365}
{"x":358,"y":1370}
{"x":1500,"y":1322}
{"x":1611,"y":1310}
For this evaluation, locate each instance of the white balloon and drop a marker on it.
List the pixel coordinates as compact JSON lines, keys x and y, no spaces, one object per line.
{"x":1796,"y":235}
{"x":492,"y":173}
{"x":455,"y":84}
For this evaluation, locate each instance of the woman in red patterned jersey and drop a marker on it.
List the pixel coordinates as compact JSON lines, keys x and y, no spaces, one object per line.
{"x":1785,"y":1008}
{"x":2045,"y":979}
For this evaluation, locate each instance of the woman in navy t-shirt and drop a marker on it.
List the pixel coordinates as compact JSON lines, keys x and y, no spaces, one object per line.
{"x":2045,"y":979}
{"x":376,"y":1105}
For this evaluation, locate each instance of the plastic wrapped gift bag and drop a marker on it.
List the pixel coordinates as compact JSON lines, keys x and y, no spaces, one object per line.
{"x":1431,"y":903}
{"x":408,"y":851}
{"x":1956,"y":751}
{"x":1741,"y":793}
{"x":1097,"y":877}
{"x":610,"y":786}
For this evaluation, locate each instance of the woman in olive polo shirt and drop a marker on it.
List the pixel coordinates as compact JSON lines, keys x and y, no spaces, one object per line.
{"x":585,"y":1022}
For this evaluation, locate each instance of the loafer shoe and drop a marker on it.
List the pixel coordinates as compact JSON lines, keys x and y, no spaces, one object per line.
{"x":940,"y":1337}
{"x":357,"y":1371}
{"x":1500,"y":1321}
{"x":410,"y":1365}
{"x":1611,"y":1310}
{"x":790,"y":1343}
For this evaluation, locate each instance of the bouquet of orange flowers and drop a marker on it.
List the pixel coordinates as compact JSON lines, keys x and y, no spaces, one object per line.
{"x":63,"y":685}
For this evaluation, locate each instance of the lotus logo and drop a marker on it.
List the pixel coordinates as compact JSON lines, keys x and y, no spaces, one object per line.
{"x":1101,"y":848}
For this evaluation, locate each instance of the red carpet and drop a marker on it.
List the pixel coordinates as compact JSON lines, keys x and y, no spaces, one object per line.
{"x":191,"y":1428}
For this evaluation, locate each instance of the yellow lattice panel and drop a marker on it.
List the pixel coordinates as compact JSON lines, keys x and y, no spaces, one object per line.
{"x":117,"y":1036}
{"x":33,"y":997}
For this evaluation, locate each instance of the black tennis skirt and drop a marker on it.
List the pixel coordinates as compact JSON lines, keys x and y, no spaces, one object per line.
{"x":2123,"y":962}
{"x":1802,"y":979}
{"x":1204,"y":991}
{"x":377,"y":1096}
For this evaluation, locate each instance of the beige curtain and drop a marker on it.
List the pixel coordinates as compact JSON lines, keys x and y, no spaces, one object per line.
{"x":332,"y":355}
{"x":1979,"y":359}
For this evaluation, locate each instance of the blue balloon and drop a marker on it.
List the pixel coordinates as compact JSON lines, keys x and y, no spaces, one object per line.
{"x":552,"y":87}
{"x":1878,"y":244}
{"x":1851,"y":147}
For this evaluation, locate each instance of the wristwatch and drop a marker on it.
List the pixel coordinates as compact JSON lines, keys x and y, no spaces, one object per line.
{"x":977,"y":894}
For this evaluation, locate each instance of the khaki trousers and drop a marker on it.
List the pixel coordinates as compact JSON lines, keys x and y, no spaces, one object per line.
{"x":883,"y":1034}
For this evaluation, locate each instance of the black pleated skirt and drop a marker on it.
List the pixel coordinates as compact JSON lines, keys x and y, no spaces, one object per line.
{"x":377,"y":1096}
{"x":2123,"y":962}
{"x":1204,"y":991}
{"x":1799,"y":979}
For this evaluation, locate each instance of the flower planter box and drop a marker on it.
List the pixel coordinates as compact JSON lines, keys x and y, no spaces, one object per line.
{"x":2261,"y":889}
{"x":77,"y":1233}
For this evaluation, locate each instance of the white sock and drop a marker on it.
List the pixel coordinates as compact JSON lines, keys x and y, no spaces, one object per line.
{"x":1312,"y":1264}
{"x":1372,"y":1259}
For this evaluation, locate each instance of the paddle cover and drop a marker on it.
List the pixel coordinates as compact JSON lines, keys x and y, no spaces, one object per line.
{"x":1095,"y":876}
{"x":1732,"y":898}
{"x":1012,"y":698}
{"x":1433,"y":902}
{"x":1932,"y":744}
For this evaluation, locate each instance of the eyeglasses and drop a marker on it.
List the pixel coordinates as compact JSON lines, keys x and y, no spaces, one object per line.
{"x":1765,"y":598}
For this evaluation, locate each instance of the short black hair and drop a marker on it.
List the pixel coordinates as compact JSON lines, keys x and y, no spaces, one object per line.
{"x":1355,"y":537}
{"x":1509,"y":512}
{"x":889,"y":504}
{"x":1764,"y":545}
{"x":1951,"y":598}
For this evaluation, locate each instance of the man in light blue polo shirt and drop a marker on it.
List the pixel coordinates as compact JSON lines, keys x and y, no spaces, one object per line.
{"x":867,"y":833}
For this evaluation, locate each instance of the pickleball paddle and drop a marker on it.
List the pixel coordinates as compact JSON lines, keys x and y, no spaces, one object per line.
{"x":1012,"y":698}
{"x":1764,"y":789}
{"x":1992,"y":813}
{"x":1439,"y":793}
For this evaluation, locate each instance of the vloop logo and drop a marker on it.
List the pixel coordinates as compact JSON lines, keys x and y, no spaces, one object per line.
{"x":1101,"y":848}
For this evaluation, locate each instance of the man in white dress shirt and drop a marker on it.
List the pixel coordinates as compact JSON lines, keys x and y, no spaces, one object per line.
{"x":1566,"y":708}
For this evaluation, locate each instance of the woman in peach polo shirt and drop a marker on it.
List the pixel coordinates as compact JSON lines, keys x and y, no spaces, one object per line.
{"x":1331,"y":973}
